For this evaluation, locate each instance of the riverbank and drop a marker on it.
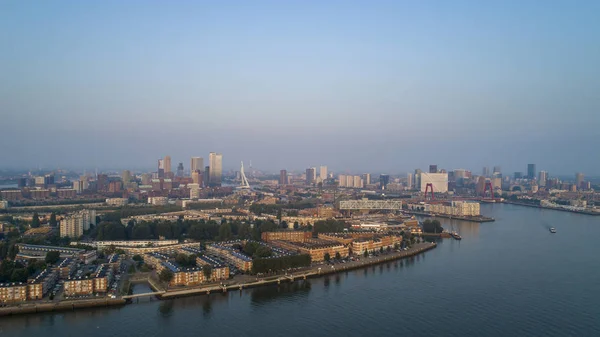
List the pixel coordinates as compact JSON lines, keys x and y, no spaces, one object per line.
{"x":454,"y":217}
{"x":313,"y":272}
{"x":552,"y":208}
{"x":32,"y":308}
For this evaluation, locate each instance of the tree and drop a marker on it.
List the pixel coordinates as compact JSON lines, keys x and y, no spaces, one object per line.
{"x":52,"y":257}
{"x":296,"y":225}
{"x":381,"y":249}
{"x":327,"y":257}
{"x":53,"y":222}
{"x":244,"y":231}
{"x":388,"y":249}
{"x":366,"y":253}
{"x":432,"y":226}
{"x":338,"y":256}
{"x":225,"y":231}
{"x":35,"y":220}
{"x":207,"y":271}
{"x":165,"y":275}
{"x":137,"y":258}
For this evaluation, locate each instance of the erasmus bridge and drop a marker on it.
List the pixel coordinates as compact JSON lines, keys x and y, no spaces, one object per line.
{"x":244,"y":185}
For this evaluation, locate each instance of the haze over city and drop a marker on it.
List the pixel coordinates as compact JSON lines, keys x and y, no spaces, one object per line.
{"x":357,"y":86}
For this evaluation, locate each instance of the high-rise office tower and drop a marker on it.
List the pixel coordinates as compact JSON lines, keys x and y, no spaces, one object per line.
{"x":167,"y":164}
{"x":310,"y":175}
{"x":543,"y":178}
{"x":283,"y":177}
{"x":197,"y":178}
{"x":418,"y":178}
{"x":180,"y":170}
{"x":215,"y":160}
{"x":161,"y":168}
{"x":433,"y":169}
{"x":126,"y":176}
{"x":367,"y":178}
{"x":196,"y":164}
{"x":531,"y":171}
{"x":579,"y":179}
{"x":496,"y":170}
{"x":384,"y":180}
{"x":206,"y":176}
{"x":486,"y":171}
{"x":102,"y":183}
{"x":518,"y":175}
{"x":323,"y":172}
{"x":409,"y":181}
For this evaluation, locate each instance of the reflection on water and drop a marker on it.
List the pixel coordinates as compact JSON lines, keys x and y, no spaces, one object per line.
{"x":277,"y":292}
{"x":166,"y":308}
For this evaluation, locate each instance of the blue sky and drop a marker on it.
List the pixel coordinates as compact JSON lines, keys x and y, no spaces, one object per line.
{"x":364,"y":85}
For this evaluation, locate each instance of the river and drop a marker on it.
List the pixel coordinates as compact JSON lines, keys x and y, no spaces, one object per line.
{"x":511,"y":277}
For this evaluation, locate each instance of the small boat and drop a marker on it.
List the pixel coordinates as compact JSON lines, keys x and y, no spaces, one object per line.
{"x":456,"y":236}
{"x":552,"y":230}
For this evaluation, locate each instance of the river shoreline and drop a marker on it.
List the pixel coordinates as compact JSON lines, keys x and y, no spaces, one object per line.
{"x":313,"y":272}
{"x":452,"y":217}
{"x":552,"y":208}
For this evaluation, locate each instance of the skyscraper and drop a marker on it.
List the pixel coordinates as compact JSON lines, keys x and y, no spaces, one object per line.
{"x":310,"y":175}
{"x":283,"y":177}
{"x":206,"y":176}
{"x":180,"y":170}
{"x":497,"y":170}
{"x":531,"y":171}
{"x":367,"y":178}
{"x":486,"y":171}
{"x":323,"y":172}
{"x":579,"y":179}
{"x":215,"y":160}
{"x":418,"y":178}
{"x":167,"y":164}
{"x":161,"y":168}
{"x":409,"y":181}
{"x":126,"y":176}
{"x":196,"y":164}
{"x":197,"y":177}
{"x":384,"y":180}
{"x":543,"y":178}
{"x":433,"y":169}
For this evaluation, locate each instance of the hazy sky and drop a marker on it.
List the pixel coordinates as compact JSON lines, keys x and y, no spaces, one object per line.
{"x":358,"y":86}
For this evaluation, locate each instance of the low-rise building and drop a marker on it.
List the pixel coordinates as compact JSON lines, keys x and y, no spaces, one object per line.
{"x":220,"y":271}
{"x":65,"y":268}
{"x":239,"y":260}
{"x":316,"y":248}
{"x":295,"y":236}
{"x":79,"y":286}
{"x":41,"y":284}
{"x":117,"y":201}
{"x":13,"y":292}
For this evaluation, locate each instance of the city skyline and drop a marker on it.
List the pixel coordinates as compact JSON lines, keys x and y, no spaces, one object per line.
{"x":461,"y":84}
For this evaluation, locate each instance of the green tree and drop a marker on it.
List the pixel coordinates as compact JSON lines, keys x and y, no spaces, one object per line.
{"x":35,"y":221}
{"x":327,"y":257}
{"x":338,"y":256}
{"x":53,"y":222}
{"x":52,"y":257}
{"x":366,"y":253}
{"x":225,"y":231}
{"x":244,"y":231}
{"x":137,"y":258}
{"x":165,"y":275}
{"x":207,"y":271}
{"x":381,"y":249}
{"x":296,"y":225}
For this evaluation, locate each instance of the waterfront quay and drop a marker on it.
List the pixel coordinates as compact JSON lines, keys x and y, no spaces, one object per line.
{"x":244,"y":281}
{"x":479,"y":218}
{"x":562,"y":209}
